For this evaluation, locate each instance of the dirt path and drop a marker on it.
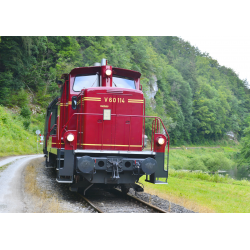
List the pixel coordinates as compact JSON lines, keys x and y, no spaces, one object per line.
{"x":12,"y":198}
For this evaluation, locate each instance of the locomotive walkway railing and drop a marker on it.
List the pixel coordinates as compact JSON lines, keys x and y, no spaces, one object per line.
{"x":155,"y":127}
{"x":155,"y":124}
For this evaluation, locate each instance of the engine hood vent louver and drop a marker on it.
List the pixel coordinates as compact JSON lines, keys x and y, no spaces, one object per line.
{"x":114,"y":91}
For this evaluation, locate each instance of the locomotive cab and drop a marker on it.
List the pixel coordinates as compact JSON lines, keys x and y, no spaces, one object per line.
{"x":99,"y":130}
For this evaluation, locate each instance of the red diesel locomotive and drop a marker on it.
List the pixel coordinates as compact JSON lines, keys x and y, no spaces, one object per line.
{"x":95,"y":131}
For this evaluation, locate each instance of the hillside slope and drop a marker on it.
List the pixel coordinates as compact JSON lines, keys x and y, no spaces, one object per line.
{"x":14,"y":138}
{"x":199,"y":100}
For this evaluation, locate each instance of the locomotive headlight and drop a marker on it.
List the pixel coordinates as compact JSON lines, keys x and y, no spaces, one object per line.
{"x":70,"y":137}
{"x":161,"y":141}
{"x":108,"y":72}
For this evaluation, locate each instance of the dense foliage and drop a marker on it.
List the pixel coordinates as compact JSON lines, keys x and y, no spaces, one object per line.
{"x":208,"y":159}
{"x":199,"y":100}
{"x":14,"y":137}
{"x":243,"y":157}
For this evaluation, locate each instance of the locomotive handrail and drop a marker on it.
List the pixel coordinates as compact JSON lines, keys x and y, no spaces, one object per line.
{"x":55,"y":125}
{"x":142,"y":116}
{"x":154,"y":124}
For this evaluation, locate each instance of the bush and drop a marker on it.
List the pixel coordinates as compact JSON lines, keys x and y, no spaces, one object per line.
{"x":26,"y":124}
{"x":217,"y":161}
{"x":20,"y":99}
{"x":209,"y":162}
{"x":25,"y":112}
{"x":14,"y":139}
{"x":196,"y":164}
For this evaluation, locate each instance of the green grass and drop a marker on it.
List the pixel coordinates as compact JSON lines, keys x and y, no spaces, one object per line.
{"x":14,"y":138}
{"x":199,"y":191}
{"x":186,"y":158}
{"x":2,"y":168}
{"x":197,"y":175}
{"x":203,"y":193}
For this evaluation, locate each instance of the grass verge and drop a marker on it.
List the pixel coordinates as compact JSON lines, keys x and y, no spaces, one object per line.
{"x":203,"y":194}
{"x":45,"y":203}
{"x":2,"y":168}
{"x":14,"y":138}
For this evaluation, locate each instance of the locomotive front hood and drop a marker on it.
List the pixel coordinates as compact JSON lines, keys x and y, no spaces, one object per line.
{"x":113,"y":119}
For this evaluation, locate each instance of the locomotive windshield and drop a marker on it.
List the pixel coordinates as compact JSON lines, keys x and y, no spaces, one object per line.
{"x":122,"y":82}
{"x":86,"y":81}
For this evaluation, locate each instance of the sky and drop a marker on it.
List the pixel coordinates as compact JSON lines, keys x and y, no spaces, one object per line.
{"x":230,"y":51}
{"x":218,"y":27}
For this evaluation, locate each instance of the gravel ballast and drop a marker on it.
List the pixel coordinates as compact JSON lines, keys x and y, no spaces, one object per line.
{"x":69,"y":201}
{"x":159,"y":202}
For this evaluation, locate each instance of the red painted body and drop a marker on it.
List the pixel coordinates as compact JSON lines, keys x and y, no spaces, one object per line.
{"x":125,"y":130}
{"x":119,"y":133}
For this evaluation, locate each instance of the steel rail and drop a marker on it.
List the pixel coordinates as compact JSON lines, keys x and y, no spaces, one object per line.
{"x":91,"y":204}
{"x":142,"y":201}
{"x":117,"y":191}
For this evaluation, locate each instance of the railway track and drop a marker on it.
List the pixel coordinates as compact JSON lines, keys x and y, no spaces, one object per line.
{"x":91,"y":204}
{"x":114,"y":201}
{"x":72,"y":202}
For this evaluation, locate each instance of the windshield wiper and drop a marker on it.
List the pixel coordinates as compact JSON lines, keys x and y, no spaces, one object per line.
{"x":93,"y":83}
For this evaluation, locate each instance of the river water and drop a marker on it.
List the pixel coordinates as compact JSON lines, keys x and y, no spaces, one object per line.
{"x":238,"y":174}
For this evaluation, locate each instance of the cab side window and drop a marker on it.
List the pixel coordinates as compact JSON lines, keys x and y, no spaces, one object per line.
{"x":52,"y":108}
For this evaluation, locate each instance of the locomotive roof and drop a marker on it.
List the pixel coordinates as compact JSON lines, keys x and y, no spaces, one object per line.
{"x":95,"y":69}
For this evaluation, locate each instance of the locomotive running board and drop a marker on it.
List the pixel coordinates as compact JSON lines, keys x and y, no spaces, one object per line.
{"x":160,"y":182}
{"x":114,"y":152}
{"x":63,"y":181}
{"x":157,"y":182}
{"x":49,"y":166}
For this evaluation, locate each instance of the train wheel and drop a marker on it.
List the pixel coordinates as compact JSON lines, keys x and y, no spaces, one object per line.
{"x":46,"y":162}
{"x":124,"y":189}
